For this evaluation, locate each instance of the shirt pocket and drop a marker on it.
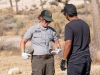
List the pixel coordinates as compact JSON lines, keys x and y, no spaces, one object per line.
{"x":50,"y":37}
{"x":37,"y":38}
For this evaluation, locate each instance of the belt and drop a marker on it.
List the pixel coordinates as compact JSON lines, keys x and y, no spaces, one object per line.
{"x":47,"y":56}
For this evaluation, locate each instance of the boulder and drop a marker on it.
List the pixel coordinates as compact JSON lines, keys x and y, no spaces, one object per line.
{"x":14,"y":71}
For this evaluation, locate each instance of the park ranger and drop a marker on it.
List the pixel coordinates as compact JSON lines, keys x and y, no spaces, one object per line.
{"x":40,"y":35}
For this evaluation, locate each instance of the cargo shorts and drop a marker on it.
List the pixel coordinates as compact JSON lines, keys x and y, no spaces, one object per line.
{"x":43,"y":66}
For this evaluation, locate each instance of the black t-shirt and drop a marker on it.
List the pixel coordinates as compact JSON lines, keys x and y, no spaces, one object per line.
{"x":78,"y":31}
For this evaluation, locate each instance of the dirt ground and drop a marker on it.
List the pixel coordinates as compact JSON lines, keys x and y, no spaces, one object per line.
{"x":7,"y":62}
{"x":14,"y":61}
{"x":11,"y":59}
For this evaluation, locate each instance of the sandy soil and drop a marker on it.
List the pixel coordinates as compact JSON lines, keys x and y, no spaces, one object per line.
{"x":14,"y":61}
{"x":7,"y":62}
{"x":11,"y":59}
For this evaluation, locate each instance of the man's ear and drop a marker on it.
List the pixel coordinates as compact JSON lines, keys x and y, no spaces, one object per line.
{"x":67,"y":15}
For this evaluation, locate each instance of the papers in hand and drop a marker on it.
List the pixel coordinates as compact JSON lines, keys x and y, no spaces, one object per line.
{"x":56,"y":51}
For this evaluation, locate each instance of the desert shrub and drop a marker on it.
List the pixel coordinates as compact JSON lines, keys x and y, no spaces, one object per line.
{"x":95,"y":54}
{"x":89,"y":0}
{"x":80,"y":6}
{"x":13,"y":20}
{"x":54,"y":3}
{"x":59,"y":23}
{"x":1,"y":31}
{"x":32,"y":17}
{"x":4,"y":45}
{"x":18,"y":26}
{"x":3,"y":28}
{"x":7,"y":16}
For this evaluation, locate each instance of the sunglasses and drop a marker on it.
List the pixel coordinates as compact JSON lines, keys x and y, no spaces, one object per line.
{"x":47,"y":21}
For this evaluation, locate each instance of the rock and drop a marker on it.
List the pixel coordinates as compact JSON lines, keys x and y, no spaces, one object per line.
{"x":61,"y":5}
{"x":77,"y":2}
{"x":14,"y":71}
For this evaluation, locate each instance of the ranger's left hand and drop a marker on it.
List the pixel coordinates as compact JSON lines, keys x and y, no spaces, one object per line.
{"x":56,"y":51}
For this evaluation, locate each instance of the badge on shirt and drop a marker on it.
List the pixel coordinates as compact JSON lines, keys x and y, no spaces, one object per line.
{"x":36,"y":31}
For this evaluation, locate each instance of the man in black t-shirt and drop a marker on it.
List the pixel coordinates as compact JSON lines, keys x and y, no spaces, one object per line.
{"x":77,"y":39}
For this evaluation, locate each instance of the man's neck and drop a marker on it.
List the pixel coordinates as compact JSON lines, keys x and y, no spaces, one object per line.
{"x":73,"y":18}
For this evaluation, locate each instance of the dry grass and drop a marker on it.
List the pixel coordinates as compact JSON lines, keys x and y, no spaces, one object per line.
{"x":95,"y":70}
{"x":11,"y":59}
{"x":30,"y":19}
{"x":15,"y":61}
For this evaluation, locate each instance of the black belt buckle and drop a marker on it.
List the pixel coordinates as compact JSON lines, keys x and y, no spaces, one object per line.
{"x":47,"y":56}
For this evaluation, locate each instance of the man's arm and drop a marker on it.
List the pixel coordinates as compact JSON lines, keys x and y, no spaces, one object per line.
{"x":66,"y":51}
{"x":67,"y":48}
{"x":22,"y":44}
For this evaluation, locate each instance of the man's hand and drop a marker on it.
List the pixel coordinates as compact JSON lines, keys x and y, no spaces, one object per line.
{"x":25,"y":55}
{"x":56,"y":51}
{"x":62,"y":66}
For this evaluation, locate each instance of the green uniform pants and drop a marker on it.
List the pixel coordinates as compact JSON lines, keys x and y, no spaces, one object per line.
{"x":42,"y":66}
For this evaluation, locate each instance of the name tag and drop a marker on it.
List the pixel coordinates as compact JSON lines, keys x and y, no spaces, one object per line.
{"x":36,"y":31}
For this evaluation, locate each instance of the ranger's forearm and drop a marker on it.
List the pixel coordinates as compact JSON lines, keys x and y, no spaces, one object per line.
{"x":58,"y":44}
{"x":22,"y":44}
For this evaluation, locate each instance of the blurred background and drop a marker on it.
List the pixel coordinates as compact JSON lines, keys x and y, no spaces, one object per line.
{"x":18,"y":15}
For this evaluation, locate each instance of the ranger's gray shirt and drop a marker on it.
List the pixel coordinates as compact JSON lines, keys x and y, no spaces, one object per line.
{"x":40,"y":38}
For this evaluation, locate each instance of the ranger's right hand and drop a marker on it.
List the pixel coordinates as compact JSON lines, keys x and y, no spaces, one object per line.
{"x":25,"y":55}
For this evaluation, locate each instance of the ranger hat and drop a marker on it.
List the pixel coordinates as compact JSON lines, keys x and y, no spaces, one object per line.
{"x":47,"y":15}
{"x":69,"y":9}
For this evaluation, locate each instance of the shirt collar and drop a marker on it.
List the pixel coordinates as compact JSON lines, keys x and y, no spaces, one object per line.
{"x":40,"y":27}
